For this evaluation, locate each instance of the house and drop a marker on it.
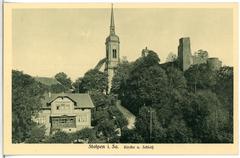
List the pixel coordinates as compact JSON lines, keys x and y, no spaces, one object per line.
{"x":69,"y":112}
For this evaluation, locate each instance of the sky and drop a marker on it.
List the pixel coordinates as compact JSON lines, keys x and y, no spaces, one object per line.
{"x":48,"y":41}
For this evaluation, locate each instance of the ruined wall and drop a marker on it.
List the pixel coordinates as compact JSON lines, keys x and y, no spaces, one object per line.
{"x":184,"y":53}
{"x":214,"y":63}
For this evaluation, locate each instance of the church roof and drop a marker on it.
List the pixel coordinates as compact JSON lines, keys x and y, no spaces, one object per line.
{"x":112,"y":26}
{"x":81,"y":100}
{"x":112,"y":36}
{"x":100,"y":64}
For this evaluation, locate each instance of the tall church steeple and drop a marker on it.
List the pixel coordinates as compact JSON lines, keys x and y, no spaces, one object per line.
{"x":112,"y":26}
{"x":112,"y":51}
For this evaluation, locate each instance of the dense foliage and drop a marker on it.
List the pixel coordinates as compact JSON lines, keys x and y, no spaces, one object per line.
{"x":106,"y":118}
{"x":93,"y":80}
{"x":171,"y":106}
{"x":64,"y":80}
{"x":62,"y":84}
{"x":26,"y":95}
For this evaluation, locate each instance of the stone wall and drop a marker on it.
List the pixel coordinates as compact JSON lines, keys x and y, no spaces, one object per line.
{"x":184,"y":53}
{"x":186,"y":59}
{"x":214,"y":63}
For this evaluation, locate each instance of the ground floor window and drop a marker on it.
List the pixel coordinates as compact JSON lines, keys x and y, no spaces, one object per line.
{"x":63,"y":122}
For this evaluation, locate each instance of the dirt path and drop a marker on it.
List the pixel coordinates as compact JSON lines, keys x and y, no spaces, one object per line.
{"x":129,"y":116}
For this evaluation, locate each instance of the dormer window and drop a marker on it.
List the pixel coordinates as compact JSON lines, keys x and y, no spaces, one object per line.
{"x":114,"y":53}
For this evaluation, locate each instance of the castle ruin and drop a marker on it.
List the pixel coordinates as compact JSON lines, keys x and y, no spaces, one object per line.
{"x":184,"y":53}
{"x":186,"y":59}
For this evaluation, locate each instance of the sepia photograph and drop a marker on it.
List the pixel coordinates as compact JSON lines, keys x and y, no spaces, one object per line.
{"x":136,"y":75}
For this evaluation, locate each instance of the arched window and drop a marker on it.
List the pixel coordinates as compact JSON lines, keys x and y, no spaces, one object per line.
{"x":114,"y":53}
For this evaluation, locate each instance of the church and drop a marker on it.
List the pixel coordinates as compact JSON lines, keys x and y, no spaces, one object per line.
{"x":112,"y":59}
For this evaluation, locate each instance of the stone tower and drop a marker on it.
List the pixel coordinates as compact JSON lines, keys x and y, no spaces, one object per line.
{"x":112,"y":52}
{"x":214,"y":63}
{"x":184,"y":53}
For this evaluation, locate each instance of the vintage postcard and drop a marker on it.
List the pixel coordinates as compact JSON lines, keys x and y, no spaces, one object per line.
{"x":157,"y":78}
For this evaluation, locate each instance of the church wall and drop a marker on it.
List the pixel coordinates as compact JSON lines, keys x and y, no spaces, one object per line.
{"x":110,"y":77}
{"x":112,"y":62}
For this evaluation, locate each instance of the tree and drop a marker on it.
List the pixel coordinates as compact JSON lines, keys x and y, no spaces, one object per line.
{"x":200,"y":77}
{"x":151,"y":59}
{"x":77,"y":84}
{"x":57,"y":88}
{"x":106,"y":111}
{"x":101,"y":100}
{"x":37,"y":134}
{"x":146,"y":86}
{"x":99,"y":116}
{"x":176,"y":79}
{"x":94,"y":80}
{"x":26,"y":96}
{"x":178,"y":131}
{"x":203,"y":114}
{"x":102,"y":103}
{"x":60,"y":137}
{"x":171,"y":57}
{"x":85,"y":134}
{"x":115,"y":114}
{"x":172,"y":108}
{"x":107,"y":127}
{"x":149,"y":127}
{"x":120,"y":77}
{"x":131,"y":136}
{"x":224,"y":91}
{"x":64,"y":80}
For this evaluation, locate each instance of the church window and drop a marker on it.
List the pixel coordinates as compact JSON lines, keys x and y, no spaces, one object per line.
{"x":114,"y":53}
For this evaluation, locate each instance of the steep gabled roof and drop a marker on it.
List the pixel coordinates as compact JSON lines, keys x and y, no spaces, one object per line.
{"x":81,"y":100}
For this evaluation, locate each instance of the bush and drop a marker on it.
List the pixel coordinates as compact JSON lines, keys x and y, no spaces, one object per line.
{"x":85,"y":134}
{"x":60,"y":137}
{"x":131,"y":136}
{"x":37,"y":135}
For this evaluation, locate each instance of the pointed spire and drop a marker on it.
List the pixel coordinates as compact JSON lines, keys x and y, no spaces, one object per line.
{"x":112,"y":26}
